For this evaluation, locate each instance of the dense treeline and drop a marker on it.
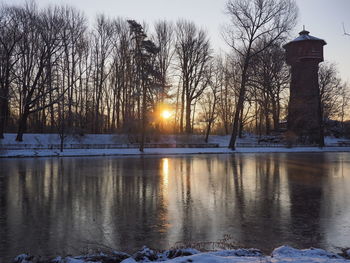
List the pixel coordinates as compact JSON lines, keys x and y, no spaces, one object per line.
{"x":59,"y":74}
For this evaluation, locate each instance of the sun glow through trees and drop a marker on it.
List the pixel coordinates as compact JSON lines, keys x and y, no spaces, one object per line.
{"x":165,"y":114}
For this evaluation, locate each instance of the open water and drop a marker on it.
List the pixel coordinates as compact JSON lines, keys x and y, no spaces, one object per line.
{"x":52,"y":206}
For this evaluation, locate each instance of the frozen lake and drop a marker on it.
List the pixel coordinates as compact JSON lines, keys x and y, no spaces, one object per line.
{"x":54,"y":206}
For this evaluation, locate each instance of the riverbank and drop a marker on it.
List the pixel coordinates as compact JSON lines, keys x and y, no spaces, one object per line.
{"x":279,"y":255}
{"x":47,"y":145}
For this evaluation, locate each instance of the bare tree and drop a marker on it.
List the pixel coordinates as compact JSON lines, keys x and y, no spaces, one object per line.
{"x":61,"y":121}
{"x":39,"y":44}
{"x":194,"y":56}
{"x":270,"y":77}
{"x":252,"y":21}
{"x":331,"y":89}
{"x":227,"y":95}
{"x":121,"y":75}
{"x":101,"y":54}
{"x":344,"y":102}
{"x":210,"y":97}
{"x":73,"y":39}
{"x":164,"y":40}
{"x":10,"y":35}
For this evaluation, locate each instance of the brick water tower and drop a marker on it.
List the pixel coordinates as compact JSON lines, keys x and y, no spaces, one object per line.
{"x":304,"y":54}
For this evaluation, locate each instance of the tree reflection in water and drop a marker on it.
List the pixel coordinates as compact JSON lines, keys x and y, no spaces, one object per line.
{"x":60,"y":206}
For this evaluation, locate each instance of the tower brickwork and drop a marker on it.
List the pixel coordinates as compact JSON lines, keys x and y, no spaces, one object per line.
{"x":304,"y":54}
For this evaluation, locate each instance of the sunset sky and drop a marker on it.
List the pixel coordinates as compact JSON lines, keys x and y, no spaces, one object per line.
{"x":323,"y":18}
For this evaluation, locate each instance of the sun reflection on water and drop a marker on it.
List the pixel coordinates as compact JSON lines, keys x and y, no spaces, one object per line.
{"x":165,"y":171}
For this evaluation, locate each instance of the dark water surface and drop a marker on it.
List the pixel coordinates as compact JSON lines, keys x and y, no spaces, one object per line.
{"x":68,"y":205}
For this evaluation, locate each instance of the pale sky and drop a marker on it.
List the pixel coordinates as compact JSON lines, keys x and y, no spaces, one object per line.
{"x":323,"y":18}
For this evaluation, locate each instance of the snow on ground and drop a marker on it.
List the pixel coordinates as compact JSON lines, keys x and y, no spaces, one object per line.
{"x":41,"y":145}
{"x":30,"y":139}
{"x":47,"y":139}
{"x":284,"y":254}
{"x":51,"y":138}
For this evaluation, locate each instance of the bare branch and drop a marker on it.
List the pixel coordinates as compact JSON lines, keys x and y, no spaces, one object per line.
{"x":345,"y":33}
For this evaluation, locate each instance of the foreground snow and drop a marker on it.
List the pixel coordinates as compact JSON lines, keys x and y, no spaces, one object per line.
{"x":282,"y":254}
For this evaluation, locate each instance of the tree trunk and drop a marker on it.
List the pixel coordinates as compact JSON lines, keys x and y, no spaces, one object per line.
{"x":321,"y":122}
{"x":52,"y":114}
{"x":240,"y":103}
{"x":275,"y":116}
{"x":4,"y":107}
{"x":208,"y":132}
{"x":188,"y":116}
{"x":240,"y":132}
{"x":22,"y":127}
{"x":3,"y":115}
{"x":267,"y":121}
{"x":144,"y":115}
{"x":182,"y":110}
{"x":226,"y":128}
{"x":239,"y":107}
{"x":235,"y":127}
{"x":61,"y":142}
{"x":211,"y":120}
{"x":193,"y":115}
{"x":256,"y":118}
{"x":177,"y":110}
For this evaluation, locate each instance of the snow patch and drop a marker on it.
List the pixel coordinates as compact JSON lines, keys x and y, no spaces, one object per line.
{"x":284,"y":254}
{"x":23,"y":258}
{"x":129,"y":260}
{"x":251,"y":252}
{"x":287,"y":251}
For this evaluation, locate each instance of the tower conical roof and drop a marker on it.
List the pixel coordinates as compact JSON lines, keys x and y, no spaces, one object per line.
{"x":304,"y":36}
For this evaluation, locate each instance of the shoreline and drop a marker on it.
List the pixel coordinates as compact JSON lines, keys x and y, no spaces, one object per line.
{"x":281,"y":254}
{"x":31,"y":153}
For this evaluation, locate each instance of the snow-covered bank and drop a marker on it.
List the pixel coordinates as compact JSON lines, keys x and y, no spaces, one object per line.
{"x":282,"y":254}
{"x":161,"y":151}
{"x":46,"y":140}
{"x":46,"y":145}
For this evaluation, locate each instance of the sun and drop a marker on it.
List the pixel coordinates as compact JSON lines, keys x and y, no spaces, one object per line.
{"x":165,"y":114}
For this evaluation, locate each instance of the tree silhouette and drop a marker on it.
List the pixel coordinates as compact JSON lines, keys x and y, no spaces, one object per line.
{"x":147,"y":73}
